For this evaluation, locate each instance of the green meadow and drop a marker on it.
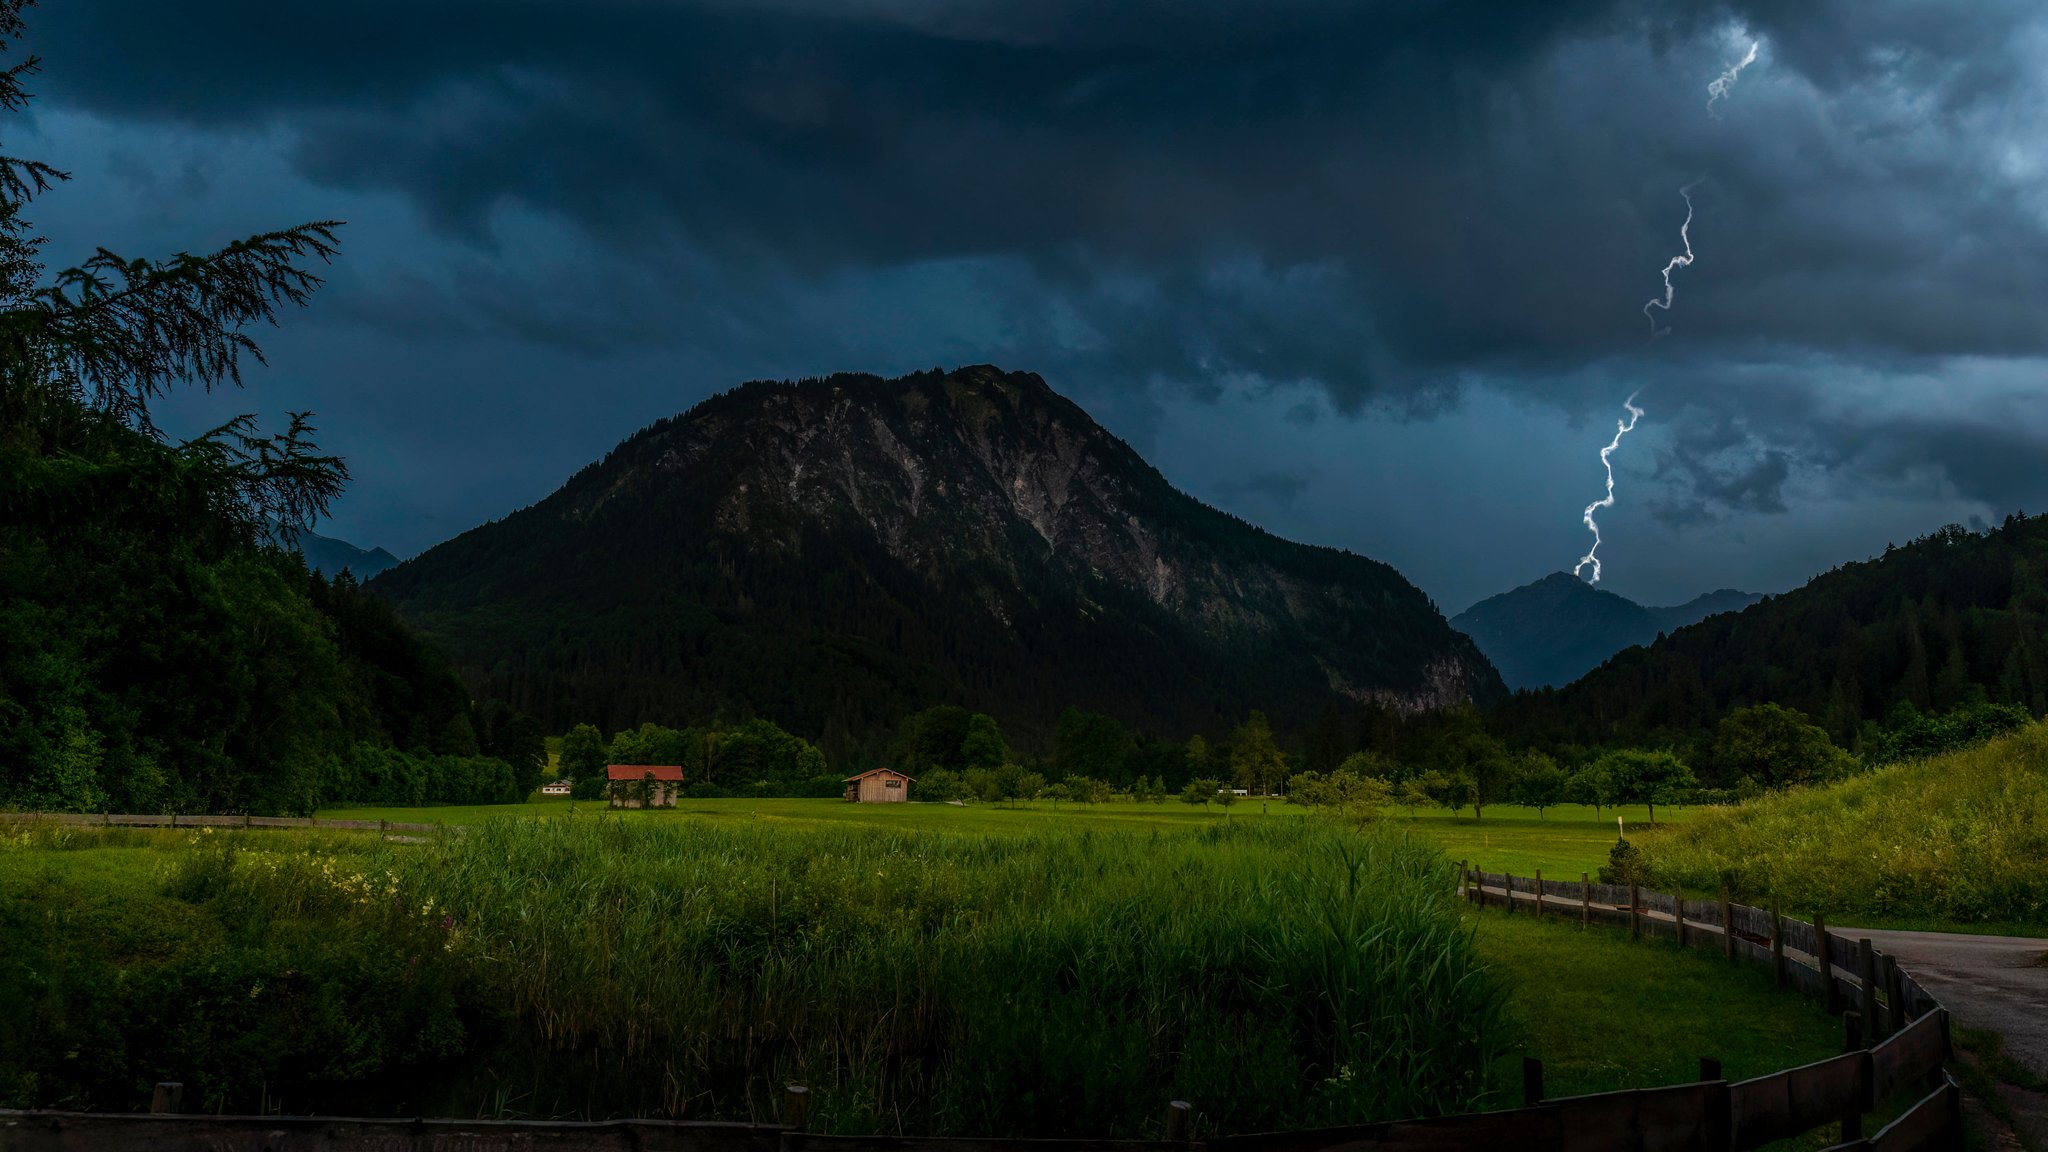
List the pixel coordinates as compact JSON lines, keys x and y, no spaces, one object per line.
{"x":1278,"y":971}
{"x":1563,"y":841}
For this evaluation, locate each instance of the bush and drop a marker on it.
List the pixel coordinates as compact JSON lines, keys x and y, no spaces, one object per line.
{"x":369,"y":775}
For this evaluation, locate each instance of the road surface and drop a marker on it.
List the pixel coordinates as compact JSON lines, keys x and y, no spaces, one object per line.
{"x":1996,"y":983}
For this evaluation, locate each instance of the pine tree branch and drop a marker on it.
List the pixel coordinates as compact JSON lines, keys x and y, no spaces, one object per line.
{"x":118,"y":333}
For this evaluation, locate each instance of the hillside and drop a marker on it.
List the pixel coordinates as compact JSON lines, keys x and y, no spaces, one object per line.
{"x":836,"y":553}
{"x":1555,"y":630}
{"x":1950,"y":618}
{"x":1960,"y":838}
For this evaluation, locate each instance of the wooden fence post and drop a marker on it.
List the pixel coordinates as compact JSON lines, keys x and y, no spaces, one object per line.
{"x":1894,"y":996}
{"x":796,"y":1107}
{"x":168,"y":1097}
{"x":1585,"y":899}
{"x":1866,"y":968}
{"x":1177,"y":1120}
{"x":1952,"y":1094}
{"x":1824,"y":955}
{"x":1539,"y":894}
{"x":1852,"y":1041}
{"x":1532,"y":1081}
{"x":1635,"y":916}
{"x":1507,"y":885}
{"x":1727,"y":923}
{"x":1778,"y":945}
{"x":1678,"y":912}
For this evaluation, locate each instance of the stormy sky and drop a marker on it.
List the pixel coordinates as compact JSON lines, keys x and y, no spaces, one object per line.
{"x":1368,"y":274}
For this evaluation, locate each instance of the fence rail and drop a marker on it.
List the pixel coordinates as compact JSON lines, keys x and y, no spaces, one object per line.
{"x":173,"y":820}
{"x":1906,"y":1029}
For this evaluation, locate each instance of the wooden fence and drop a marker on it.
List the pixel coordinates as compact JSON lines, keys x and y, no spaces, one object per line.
{"x":1897,"y":1032}
{"x":173,"y":820}
{"x":1898,"y":1044}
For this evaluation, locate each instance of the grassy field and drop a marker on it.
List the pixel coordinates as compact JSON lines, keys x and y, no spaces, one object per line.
{"x":1281,"y":973}
{"x":1563,"y":841}
{"x":1960,"y":840}
{"x":268,"y":968}
{"x":1604,"y":1012}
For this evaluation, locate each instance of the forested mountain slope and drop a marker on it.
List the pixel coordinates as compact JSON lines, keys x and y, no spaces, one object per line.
{"x":1948,"y":619}
{"x":836,"y":553}
{"x":1554,"y":630}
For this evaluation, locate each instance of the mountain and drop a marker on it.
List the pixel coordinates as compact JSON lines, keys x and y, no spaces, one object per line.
{"x":836,"y":553}
{"x":1559,"y":628}
{"x":1949,"y":619}
{"x":329,"y":556}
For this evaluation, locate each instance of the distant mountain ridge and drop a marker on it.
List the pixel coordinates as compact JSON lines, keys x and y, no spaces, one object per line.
{"x":1952,"y":619}
{"x":329,"y":556}
{"x":836,"y":553}
{"x":1551,"y":632}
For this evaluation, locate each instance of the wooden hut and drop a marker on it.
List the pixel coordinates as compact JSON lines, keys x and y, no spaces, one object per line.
{"x":878,"y":786}
{"x":659,"y":783}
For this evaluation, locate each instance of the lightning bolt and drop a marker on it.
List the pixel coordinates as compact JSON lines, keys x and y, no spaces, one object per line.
{"x":1621,"y":428}
{"x":1718,"y":89}
{"x":1684,"y":260}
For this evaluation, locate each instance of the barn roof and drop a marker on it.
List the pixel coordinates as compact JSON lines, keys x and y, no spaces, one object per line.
{"x":880,"y":772}
{"x":641,"y":771}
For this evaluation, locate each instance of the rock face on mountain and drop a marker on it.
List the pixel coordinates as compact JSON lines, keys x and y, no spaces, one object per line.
{"x":1557,"y":629}
{"x":835,"y":553}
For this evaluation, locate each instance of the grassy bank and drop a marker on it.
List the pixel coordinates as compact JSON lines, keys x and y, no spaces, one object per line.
{"x":1284,"y":973}
{"x":1563,"y":841}
{"x":1960,"y":839}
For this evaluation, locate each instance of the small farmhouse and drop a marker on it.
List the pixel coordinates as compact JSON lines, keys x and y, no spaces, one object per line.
{"x":558,"y":788}
{"x":643,"y":785}
{"x":880,"y":786}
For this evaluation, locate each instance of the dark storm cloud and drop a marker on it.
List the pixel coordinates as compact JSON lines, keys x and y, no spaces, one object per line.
{"x":1283,"y":487}
{"x":1385,"y":201}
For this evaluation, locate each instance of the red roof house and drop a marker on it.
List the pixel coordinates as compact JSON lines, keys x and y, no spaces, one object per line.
{"x":643,"y":785}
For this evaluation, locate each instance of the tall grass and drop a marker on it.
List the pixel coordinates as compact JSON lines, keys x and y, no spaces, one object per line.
{"x":1278,"y":974}
{"x":1961,"y":838}
{"x":1061,"y":984}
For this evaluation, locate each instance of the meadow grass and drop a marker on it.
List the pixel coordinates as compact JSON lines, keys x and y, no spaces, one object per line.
{"x":1605,"y":1012}
{"x":1283,"y":973}
{"x":1956,"y":840}
{"x":1563,"y":841}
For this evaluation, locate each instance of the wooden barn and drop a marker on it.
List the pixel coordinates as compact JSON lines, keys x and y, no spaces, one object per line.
{"x":627,"y":783}
{"x":878,"y":786}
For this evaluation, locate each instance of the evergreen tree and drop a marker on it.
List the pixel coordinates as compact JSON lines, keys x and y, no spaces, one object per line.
{"x":1326,"y":740}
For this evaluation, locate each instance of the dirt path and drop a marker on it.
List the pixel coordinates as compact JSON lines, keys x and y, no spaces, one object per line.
{"x":1997,"y":983}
